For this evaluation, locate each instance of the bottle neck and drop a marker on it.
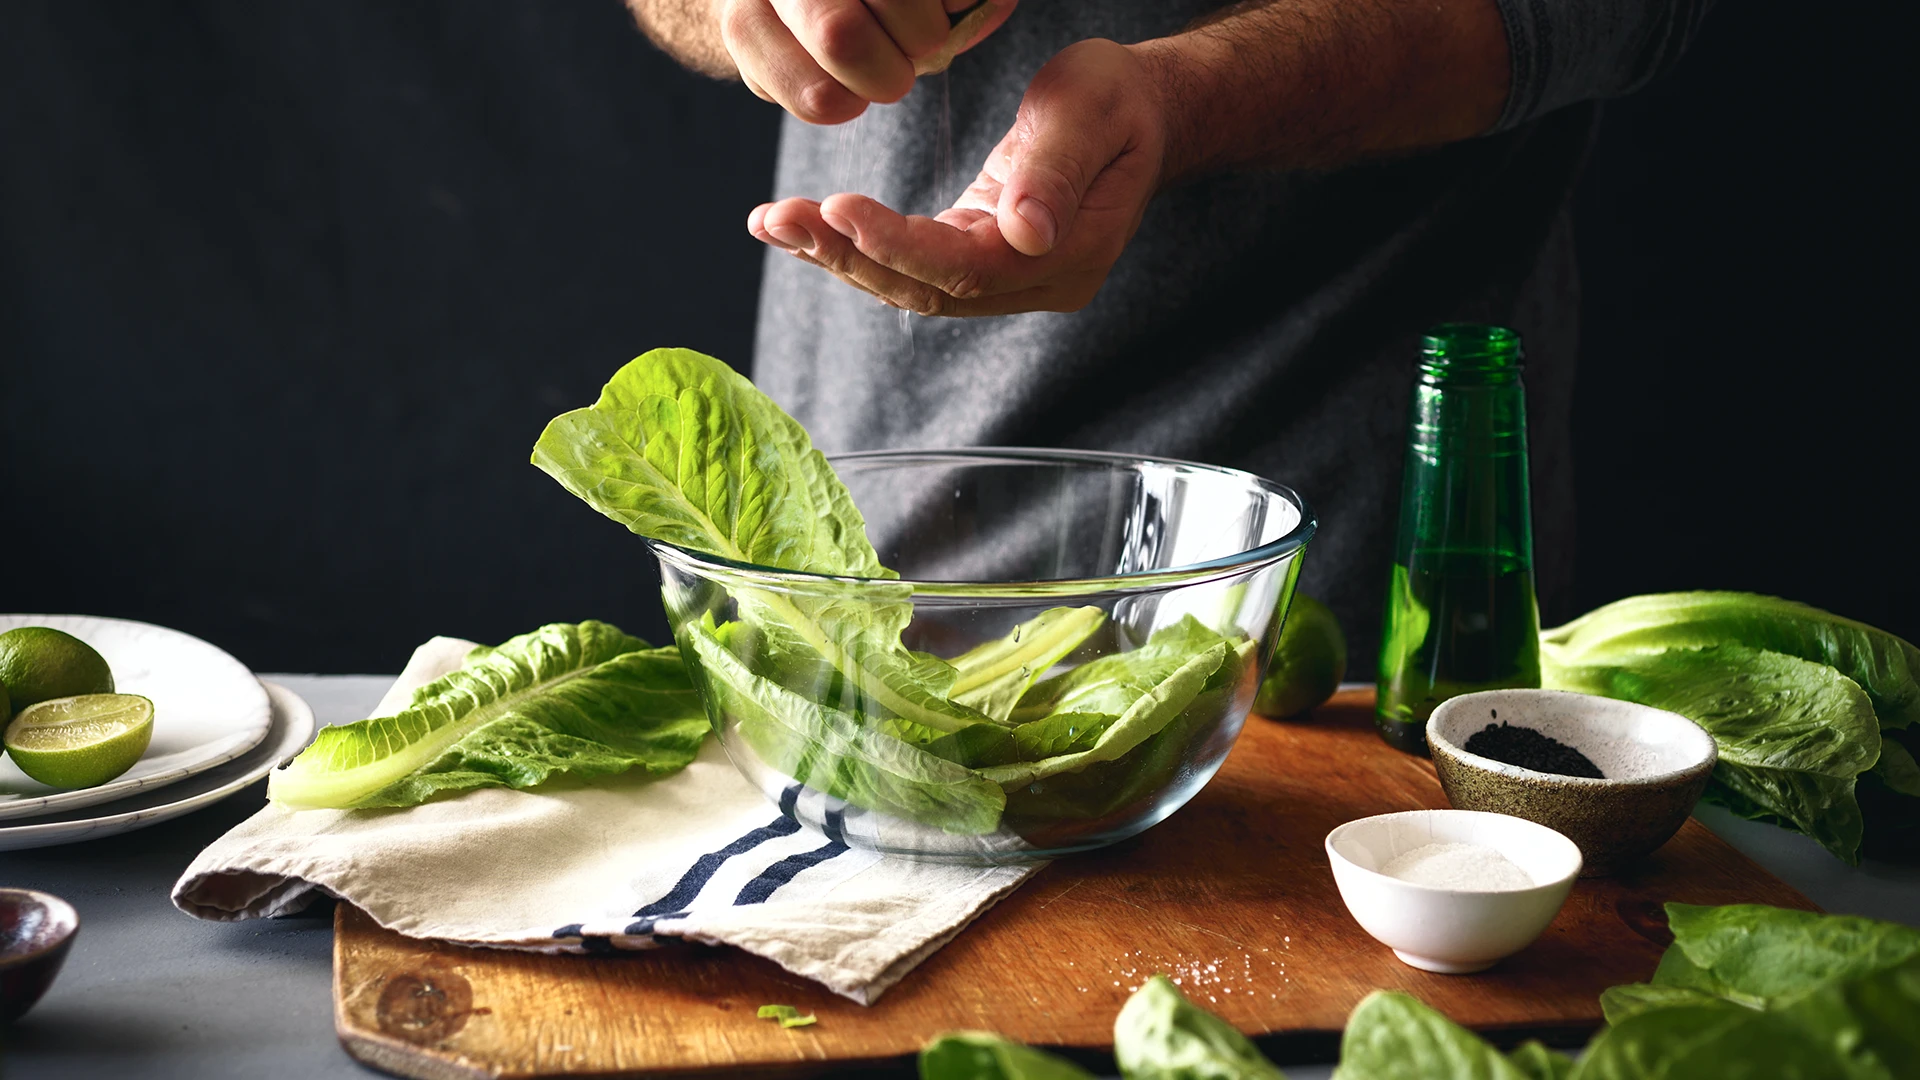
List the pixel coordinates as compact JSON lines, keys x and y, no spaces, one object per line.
{"x":1469,"y":354}
{"x":1465,"y":486}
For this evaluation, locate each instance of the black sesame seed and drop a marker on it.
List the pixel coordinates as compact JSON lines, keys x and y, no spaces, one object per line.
{"x":1529,"y":749}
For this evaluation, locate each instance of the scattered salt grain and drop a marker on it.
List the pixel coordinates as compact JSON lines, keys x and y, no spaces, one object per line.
{"x":1466,"y":867}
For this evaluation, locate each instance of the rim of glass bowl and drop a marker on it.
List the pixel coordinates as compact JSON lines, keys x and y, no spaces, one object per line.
{"x":975,"y":592}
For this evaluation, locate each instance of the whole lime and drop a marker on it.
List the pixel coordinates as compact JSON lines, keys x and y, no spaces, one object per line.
{"x":39,"y":663}
{"x":1308,"y":662}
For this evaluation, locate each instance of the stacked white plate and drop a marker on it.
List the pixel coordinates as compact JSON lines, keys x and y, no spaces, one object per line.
{"x":216,"y":729}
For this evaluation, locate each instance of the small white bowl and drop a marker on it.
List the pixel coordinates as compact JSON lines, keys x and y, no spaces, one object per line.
{"x":1451,"y":931}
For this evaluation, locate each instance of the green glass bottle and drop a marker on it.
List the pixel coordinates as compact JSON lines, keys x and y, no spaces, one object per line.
{"x":1460,"y":612}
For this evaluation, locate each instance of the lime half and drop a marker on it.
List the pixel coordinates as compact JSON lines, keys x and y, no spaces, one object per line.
{"x":80,"y":742}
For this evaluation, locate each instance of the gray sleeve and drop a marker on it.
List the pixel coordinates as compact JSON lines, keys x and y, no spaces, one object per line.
{"x":1567,"y":51}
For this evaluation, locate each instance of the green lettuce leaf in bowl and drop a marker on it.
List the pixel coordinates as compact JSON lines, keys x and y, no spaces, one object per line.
{"x":581,"y":700}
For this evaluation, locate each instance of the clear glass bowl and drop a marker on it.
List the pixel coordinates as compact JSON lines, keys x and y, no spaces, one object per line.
{"x":1175,"y":573}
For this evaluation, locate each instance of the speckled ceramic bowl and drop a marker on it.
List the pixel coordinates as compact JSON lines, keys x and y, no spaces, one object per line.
{"x":1655,"y":763}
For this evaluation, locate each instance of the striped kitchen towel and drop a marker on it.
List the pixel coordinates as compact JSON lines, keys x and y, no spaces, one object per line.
{"x":620,"y":864}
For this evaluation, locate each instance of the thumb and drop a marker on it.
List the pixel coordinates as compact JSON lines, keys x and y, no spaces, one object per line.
{"x":1068,"y":130}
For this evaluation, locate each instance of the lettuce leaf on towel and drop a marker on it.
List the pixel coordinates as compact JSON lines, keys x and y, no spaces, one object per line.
{"x":580,"y":700}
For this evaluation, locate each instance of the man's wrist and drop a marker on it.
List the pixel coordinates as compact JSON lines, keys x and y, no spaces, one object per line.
{"x":1179,"y":72}
{"x":1323,"y":82}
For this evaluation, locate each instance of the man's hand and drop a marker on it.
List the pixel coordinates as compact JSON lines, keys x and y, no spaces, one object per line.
{"x":824,"y":61}
{"x":1038,"y":229}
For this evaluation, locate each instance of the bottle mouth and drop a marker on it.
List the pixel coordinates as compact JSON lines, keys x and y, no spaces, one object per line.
{"x":1470,"y":350}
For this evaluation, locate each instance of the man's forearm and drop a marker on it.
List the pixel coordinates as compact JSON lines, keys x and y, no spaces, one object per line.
{"x":688,"y":31}
{"x":1307,"y":83}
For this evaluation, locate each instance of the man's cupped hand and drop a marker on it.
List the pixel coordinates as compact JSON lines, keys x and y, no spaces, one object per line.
{"x":1040,"y":227}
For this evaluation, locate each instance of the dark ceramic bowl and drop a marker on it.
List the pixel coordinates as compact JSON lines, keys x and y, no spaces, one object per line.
{"x":1655,"y":765}
{"x":36,"y":930}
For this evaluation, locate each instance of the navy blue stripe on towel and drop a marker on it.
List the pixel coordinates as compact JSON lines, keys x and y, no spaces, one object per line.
{"x":702,"y":871}
{"x":762,"y":887}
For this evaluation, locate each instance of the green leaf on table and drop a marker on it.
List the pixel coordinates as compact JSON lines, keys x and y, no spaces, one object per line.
{"x":683,"y":449}
{"x":1793,"y":735}
{"x":993,"y":676}
{"x":1619,"y":1002}
{"x":832,"y":751}
{"x":1160,"y":1035}
{"x":788,"y":1016}
{"x":1886,"y":667}
{"x":1897,"y":768}
{"x":982,"y":1055}
{"x":1539,"y":1062}
{"x":583,"y":700}
{"x":1394,"y":1036}
{"x":1760,"y":956}
{"x":1856,"y":1027}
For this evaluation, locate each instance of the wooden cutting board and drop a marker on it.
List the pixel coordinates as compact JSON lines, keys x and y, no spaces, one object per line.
{"x":1231,"y":895}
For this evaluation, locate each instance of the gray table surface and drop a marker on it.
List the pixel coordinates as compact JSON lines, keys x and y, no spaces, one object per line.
{"x":150,"y":992}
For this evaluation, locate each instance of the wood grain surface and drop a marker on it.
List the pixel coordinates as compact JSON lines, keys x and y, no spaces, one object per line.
{"x":1231,"y":896}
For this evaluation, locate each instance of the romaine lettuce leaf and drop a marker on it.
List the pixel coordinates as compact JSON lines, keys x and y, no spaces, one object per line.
{"x":1160,"y":1035}
{"x":1113,"y":683}
{"x":1394,"y":1036}
{"x":1152,"y":709}
{"x":583,"y":700}
{"x":1896,"y":767}
{"x":981,"y":1055}
{"x":1619,"y":1002}
{"x":1540,"y":1062}
{"x":1793,"y":735}
{"x":1859,"y":1027}
{"x":832,"y":751}
{"x":993,"y":676}
{"x":1092,"y":791}
{"x":1061,"y":733}
{"x":683,"y":449}
{"x":1761,"y":956}
{"x":1885,"y":666}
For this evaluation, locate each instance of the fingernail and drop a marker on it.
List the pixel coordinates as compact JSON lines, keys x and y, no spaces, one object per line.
{"x":841,"y":225}
{"x":1035,"y":214}
{"x":793,"y":236}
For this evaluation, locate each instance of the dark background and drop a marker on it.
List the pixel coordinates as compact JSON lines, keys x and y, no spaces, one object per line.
{"x":288,"y":290}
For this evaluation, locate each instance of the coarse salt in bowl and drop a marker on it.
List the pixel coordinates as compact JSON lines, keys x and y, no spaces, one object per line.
{"x":1464,"y":913}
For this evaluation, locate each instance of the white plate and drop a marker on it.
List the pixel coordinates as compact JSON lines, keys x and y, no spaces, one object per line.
{"x":207,"y":709}
{"x":292,"y":729}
